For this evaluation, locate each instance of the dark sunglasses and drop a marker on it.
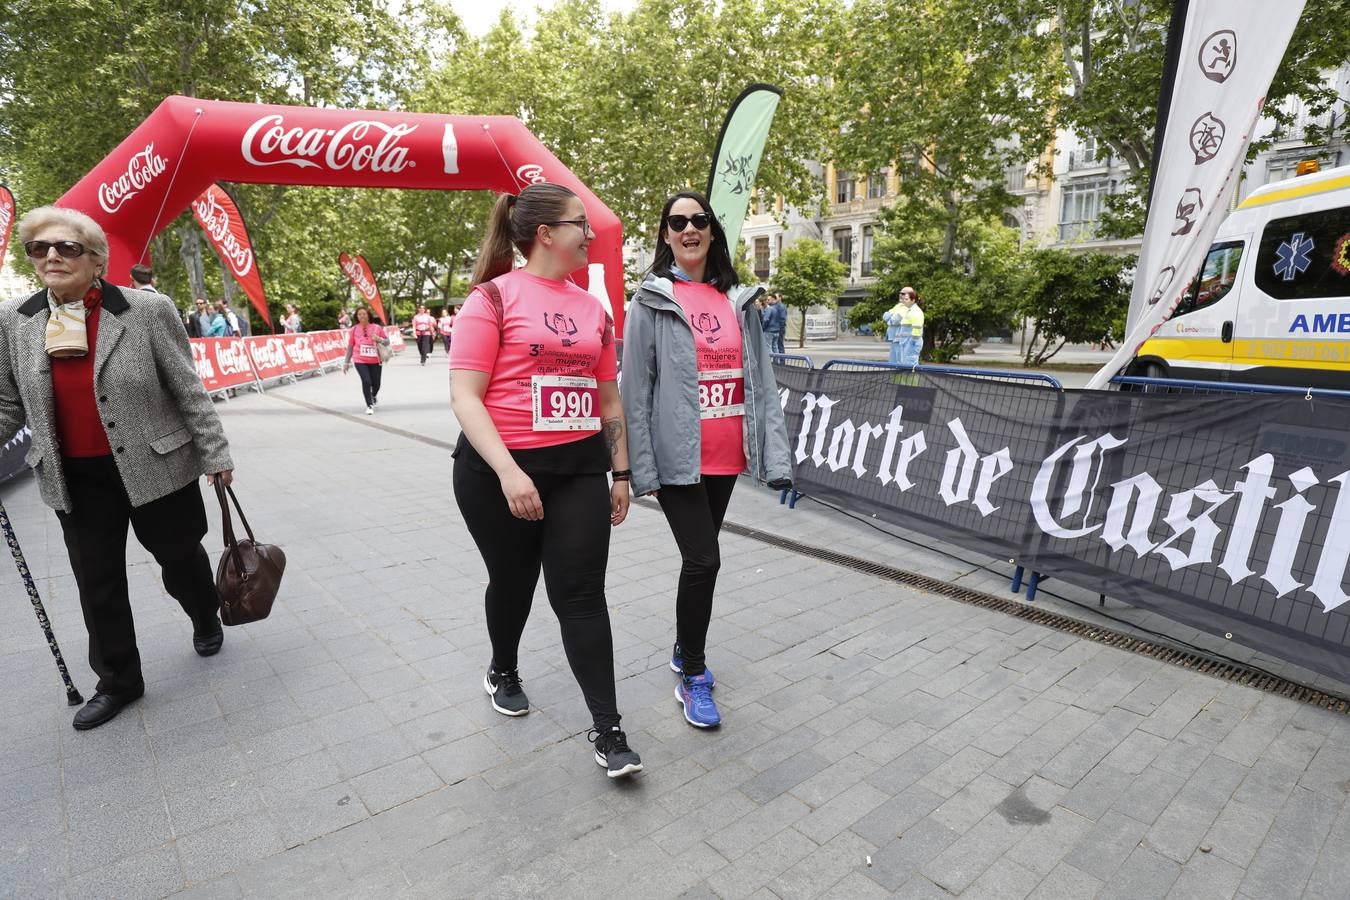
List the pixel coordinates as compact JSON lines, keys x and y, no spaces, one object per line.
{"x":65,"y":249}
{"x":680,"y":223}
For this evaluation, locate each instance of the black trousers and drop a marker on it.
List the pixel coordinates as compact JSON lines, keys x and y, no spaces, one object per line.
{"x":424,"y":345}
{"x":571,"y":546}
{"x":695,"y":513}
{"x":370,"y":380}
{"x":95,"y":531}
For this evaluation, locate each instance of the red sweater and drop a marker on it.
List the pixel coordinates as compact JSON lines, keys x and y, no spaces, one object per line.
{"x":79,"y":425}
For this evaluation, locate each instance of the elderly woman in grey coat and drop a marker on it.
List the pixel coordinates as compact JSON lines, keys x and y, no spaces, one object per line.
{"x":122,"y":429}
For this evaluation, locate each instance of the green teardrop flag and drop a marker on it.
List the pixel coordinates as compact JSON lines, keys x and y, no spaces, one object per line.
{"x":736,"y":160}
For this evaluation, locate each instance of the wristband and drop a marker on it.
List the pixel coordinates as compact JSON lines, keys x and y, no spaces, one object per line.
{"x":618,"y":478}
{"x":624,"y":472}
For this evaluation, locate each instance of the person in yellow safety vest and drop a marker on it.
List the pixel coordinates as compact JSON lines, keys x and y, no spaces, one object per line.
{"x":904,"y":328}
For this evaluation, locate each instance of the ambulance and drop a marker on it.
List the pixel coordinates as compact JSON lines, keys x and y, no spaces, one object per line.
{"x":1271,"y":304}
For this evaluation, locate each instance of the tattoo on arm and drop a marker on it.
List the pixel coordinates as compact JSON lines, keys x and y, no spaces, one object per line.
{"x":612,"y":429}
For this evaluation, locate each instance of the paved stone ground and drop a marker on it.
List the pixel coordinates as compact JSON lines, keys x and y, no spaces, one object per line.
{"x":878,"y":742}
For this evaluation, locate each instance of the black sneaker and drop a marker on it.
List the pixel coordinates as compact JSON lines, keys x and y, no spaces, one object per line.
{"x":613,"y":753}
{"x":508,"y":697}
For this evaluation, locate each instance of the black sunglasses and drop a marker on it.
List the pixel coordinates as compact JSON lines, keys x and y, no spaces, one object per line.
{"x":680,"y":223}
{"x":65,"y":249}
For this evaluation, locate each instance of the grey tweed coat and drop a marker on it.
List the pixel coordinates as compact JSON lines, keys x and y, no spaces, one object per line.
{"x":159,"y":419}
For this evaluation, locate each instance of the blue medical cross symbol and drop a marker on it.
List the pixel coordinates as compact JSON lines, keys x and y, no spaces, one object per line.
{"x":1293,"y":256}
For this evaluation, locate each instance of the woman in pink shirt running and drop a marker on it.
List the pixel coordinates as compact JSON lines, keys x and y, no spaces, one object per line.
{"x":533,"y":384}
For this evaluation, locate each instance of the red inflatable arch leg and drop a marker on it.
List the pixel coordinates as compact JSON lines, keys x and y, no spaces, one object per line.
{"x":186,"y":144}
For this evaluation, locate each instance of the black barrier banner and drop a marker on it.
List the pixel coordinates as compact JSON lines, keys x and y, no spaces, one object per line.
{"x":1228,"y":513}
{"x":12,"y":453}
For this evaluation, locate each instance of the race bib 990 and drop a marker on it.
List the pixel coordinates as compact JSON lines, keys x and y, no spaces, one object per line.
{"x":721,"y":393}
{"x":565,"y":403}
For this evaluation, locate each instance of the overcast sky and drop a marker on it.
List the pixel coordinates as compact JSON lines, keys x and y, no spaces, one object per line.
{"x":478,"y":15}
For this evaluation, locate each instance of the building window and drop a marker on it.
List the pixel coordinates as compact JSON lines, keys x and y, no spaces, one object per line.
{"x":777,"y":245}
{"x":1015,"y":177}
{"x":843,"y":186}
{"x":762,"y":258}
{"x":867,"y":243}
{"x":1082,"y":208}
{"x":843,"y":245}
{"x":876,"y":185}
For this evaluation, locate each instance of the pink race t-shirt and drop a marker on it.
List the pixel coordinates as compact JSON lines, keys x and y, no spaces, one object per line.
{"x":362,"y":341}
{"x":721,"y":376}
{"x":544,"y":362}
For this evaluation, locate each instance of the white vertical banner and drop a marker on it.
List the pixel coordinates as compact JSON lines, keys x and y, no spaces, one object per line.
{"x":1229,"y":53}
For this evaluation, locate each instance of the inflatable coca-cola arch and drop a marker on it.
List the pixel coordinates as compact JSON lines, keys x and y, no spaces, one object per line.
{"x":186,"y":144}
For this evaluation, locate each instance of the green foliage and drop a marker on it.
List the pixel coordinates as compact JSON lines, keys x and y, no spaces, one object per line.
{"x":808,"y":275}
{"x":1072,"y":298}
{"x":949,"y":91}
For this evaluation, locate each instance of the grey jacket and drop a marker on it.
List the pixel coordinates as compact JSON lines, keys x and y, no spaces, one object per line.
{"x":159,"y":420}
{"x":660,"y":391}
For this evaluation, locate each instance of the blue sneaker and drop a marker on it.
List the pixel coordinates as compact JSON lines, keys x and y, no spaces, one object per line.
{"x":677,"y":665}
{"x":695,"y":695}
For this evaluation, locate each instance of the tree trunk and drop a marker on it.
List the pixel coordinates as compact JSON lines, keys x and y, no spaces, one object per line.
{"x":949,"y":237}
{"x":801,"y":338}
{"x":230,"y":287}
{"x":190,"y":249}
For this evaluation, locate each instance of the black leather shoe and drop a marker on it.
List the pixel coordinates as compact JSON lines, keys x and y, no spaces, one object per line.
{"x":102,"y":708}
{"x":208,"y":643}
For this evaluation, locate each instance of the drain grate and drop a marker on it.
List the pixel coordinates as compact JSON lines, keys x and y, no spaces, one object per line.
{"x":1186,"y":659}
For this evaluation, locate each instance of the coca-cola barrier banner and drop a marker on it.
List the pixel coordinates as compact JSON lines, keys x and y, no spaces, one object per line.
{"x":188,"y":143}
{"x":395,"y":338}
{"x":359,"y":273}
{"x":222,"y":362}
{"x":329,"y":346}
{"x":1229,"y":515}
{"x":224,"y":226}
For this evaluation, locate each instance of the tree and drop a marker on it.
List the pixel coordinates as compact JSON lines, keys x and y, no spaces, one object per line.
{"x":1112,"y":57}
{"x":808,"y":275}
{"x":1072,"y":297}
{"x":950,"y":92}
{"x":962,"y":301}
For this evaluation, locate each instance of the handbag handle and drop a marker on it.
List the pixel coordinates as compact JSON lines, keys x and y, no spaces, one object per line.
{"x":227,"y":525}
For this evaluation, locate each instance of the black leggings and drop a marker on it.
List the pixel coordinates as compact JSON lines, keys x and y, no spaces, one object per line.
{"x":571,"y":545}
{"x":424,"y":345}
{"x":370,"y":380}
{"x":695,"y":513}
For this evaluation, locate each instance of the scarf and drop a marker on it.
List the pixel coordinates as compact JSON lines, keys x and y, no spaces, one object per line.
{"x":67,"y":335}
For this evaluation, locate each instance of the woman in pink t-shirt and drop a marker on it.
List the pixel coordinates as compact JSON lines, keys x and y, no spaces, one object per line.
{"x":534,"y":386}
{"x":701,"y":402}
{"x":363,"y":345}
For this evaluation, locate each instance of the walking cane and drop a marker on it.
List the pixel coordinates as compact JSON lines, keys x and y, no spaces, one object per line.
{"x":73,"y":697}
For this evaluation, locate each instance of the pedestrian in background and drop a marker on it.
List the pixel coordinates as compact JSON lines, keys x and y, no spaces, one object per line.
{"x":364,"y":340}
{"x":774,"y":319}
{"x":122,"y":429}
{"x":446,"y":324}
{"x":424,"y":329}
{"x":291,"y":324}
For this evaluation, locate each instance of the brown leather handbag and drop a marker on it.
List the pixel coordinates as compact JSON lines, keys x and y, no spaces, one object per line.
{"x":249,"y":574}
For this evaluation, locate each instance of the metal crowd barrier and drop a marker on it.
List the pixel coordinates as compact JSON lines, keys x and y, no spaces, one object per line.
{"x":1183,"y":386}
{"x":989,"y":374}
{"x":792,"y":361}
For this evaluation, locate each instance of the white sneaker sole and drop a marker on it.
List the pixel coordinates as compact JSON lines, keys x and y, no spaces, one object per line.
{"x":487,"y":686}
{"x":626,"y":770}
{"x":684,"y":709}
